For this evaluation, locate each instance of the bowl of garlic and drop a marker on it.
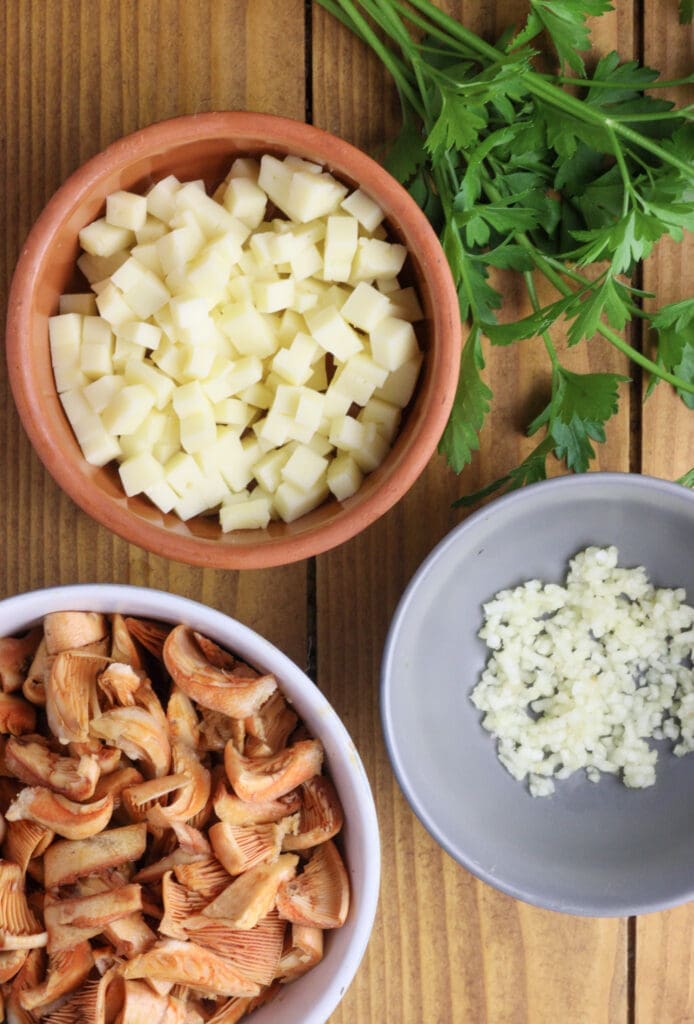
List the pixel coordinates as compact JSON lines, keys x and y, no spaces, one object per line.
{"x":233,"y":339}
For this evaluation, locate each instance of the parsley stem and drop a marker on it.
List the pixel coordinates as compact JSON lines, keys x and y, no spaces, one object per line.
{"x":446,"y":27}
{"x":535,"y":302}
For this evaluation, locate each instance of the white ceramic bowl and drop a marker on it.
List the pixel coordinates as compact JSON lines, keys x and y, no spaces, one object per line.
{"x":311,"y":999}
{"x":592,"y":848}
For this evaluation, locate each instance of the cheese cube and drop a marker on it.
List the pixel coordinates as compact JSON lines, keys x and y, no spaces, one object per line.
{"x":127,"y":409}
{"x":244,"y":167}
{"x":96,"y":356}
{"x":312,"y":195}
{"x":113,"y":307}
{"x":297,"y":163}
{"x":169,"y":357}
{"x":139,"y":333}
{"x":393,"y":342}
{"x":160,"y":384}
{"x":176,"y":248}
{"x":98,"y":393}
{"x":98,"y":447}
{"x":146,"y":295}
{"x":125,"y":352}
{"x":304,"y":468}
{"x":252,"y":514}
{"x":148,"y":256}
{"x":232,"y":412}
{"x":365,"y":307}
{"x":305,"y":263}
{"x":103,"y":239}
{"x":272,"y":296}
{"x":377,"y":259}
{"x":202,"y":497}
{"x":294,"y":364}
{"x":385,"y":415}
{"x":188,"y":398}
{"x":161,"y":495}
{"x":347,"y":433}
{"x":318,"y":381}
{"x":358,"y":378}
{"x":366,"y":210}
{"x":181,"y":472}
{"x":147,"y":436}
{"x":292,"y":502}
{"x":208,"y":275}
{"x":310,"y":409}
{"x":340,"y":247}
{"x":268,"y":469}
{"x":275,"y":179}
{"x":65,"y":337}
{"x":244,"y":199}
{"x":333,"y":333}
{"x":404,"y":304}
{"x":126,"y":210}
{"x":198,"y":430}
{"x":83,"y":303}
{"x":372,"y":450}
{"x":151,"y":230}
{"x":259,"y":395}
{"x":161,"y":198}
{"x":237,"y":471}
{"x":100,"y":268}
{"x":250,"y":332}
{"x":139,"y":472}
{"x":212,"y":217}
{"x":344,"y":476}
{"x":400,"y":385}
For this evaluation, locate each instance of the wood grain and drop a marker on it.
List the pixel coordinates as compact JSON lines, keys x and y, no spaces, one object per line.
{"x":76,"y":76}
{"x":446,"y":947}
{"x":664,"y":956}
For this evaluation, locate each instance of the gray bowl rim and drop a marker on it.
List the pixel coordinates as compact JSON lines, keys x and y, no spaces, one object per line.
{"x":579,"y":482}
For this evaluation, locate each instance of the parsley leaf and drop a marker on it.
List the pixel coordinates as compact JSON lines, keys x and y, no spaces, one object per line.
{"x":471,"y":404}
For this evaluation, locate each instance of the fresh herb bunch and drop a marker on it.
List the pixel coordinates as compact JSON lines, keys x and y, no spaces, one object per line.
{"x":574,"y":176}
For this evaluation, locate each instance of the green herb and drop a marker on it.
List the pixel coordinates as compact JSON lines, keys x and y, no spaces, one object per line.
{"x":572,"y":177}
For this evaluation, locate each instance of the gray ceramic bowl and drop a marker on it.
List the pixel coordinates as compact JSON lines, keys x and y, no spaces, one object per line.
{"x":596,"y":849}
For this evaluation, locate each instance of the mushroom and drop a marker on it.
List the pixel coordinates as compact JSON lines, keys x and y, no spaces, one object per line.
{"x":33,"y":762}
{"x":19,"y":927}
{"x":229,"y":807}
{"x":66,"y":971}
{"x":184,"y":732}
{"x":319,"y":896}
{"x":252,"y":895}
{"x":320,"y":817}
{"x":304,"y":951}
{"x":270,"y":727}
{"x":66,"y":631}
{"x":255,"y":952}
{"x":139,"y":735}
{"x":67,"y":860}
{"x":240,"y":847}
{"x":69,"y":921}
{"x":16,"y":654}
{"x":71,"y":697}
{"x":24,"y":840}
{"x":237,"y":691}
{"x":66,"y":818}
{"x":17,"y":715}
{"x":267,"y":778}
{"x":206,"y":877}
{"x":186,"y":963}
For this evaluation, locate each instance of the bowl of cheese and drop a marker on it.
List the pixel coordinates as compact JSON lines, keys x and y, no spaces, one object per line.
{"x":233,"y":339}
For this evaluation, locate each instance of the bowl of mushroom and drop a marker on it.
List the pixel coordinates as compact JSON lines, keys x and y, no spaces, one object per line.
{"x":233,"y":339}
{"x":187,"y":829}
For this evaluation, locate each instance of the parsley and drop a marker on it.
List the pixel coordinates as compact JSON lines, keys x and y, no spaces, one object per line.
{"x":572,"y":176}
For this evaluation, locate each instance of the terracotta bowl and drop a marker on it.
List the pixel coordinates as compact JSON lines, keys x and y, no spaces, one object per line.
{"x":203,"y":146}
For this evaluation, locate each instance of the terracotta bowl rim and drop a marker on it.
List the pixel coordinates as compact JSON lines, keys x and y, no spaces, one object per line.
{"x":442,"y":372}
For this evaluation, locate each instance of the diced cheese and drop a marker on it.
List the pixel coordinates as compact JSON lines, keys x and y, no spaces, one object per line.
{"x":393,"y":342}
{"x":139,"y":472}
{"x":333,"y":333}
{"x":344,"y":476}
{"x":365,"y":307}
{"x":126,"y":210}
{"x":103,"y":239}
{"x":127,"y":409}
{"x":366,"y":210}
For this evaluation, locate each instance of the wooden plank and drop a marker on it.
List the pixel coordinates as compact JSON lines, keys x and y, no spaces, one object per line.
{"x":665,"y":942}
{"x":75,"y":76}
{"x":445,"y":948}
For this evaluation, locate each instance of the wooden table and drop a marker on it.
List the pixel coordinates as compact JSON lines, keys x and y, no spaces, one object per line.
{"x":445,"y":948}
